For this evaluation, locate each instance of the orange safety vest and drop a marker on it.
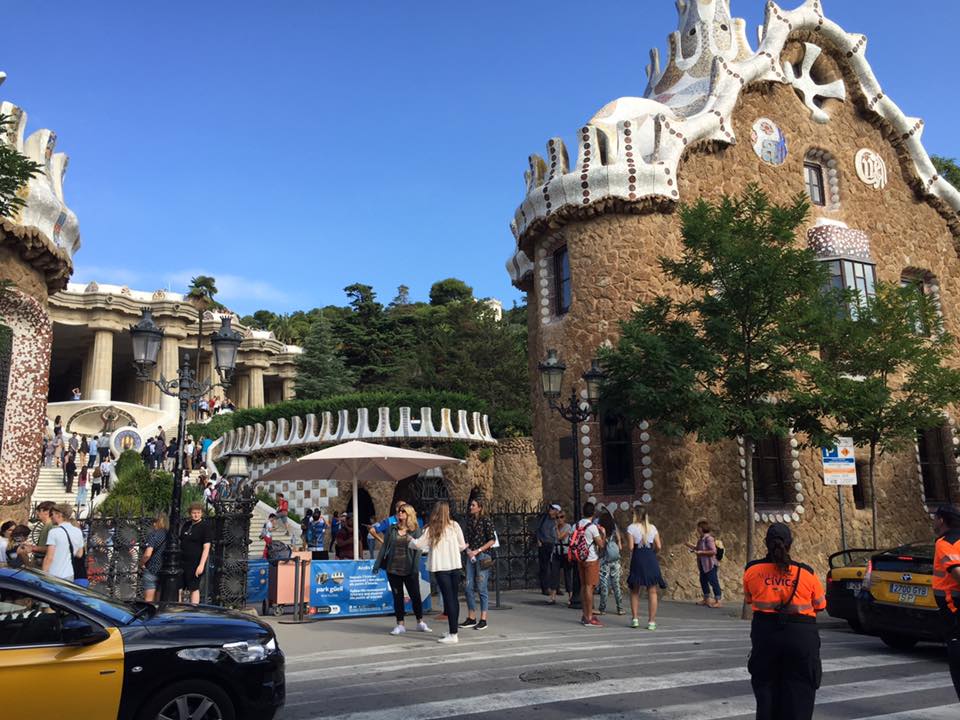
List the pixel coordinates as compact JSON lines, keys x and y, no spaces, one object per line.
{"x":766,"y":587}
{"x":946,"y":556}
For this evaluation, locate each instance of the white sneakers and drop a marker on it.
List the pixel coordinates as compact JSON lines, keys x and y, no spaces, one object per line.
{"x":398,"y":630}
{"x":422,"y":627}
{"x":449,"y":639}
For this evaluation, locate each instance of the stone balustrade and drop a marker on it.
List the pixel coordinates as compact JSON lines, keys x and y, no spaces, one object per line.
{"x":284,"y":434}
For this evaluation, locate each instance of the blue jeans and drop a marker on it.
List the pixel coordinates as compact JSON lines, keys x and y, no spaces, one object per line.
{"x":477,"y":584}
{"x":710,"y":580}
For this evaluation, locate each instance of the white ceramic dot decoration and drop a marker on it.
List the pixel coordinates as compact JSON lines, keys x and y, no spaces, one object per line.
{"x":584,"y":406}
{"x":800,"y":509}
{"x":646,"y":497}
{"x":588,"y":475}
{"x":794,"y":453}
{"x":743,"y":485}
{"x":798,"y":486}
{"x":740,"y":450}
{"x":786,"y":518}
{"x":587,"y":452}
{"x":612,"y":507}
{"x":624,"y":505}
{"x":796,"y":518}
{"x":779,"y":517}
{"x":543,"y":264}
{"x":583,"y":394}
{"x":743,"y":472}
{"x":756,"y":516}
{"x":795,"y":464}
{"x":796,"y":475}
{"x":637,"y":503}
{"x":793,"y":443}
{"x":764,"y":517}
{"x":646,"y":460}
{"x":588,"y":463}
{"x":585,"y":440}
{"x":647,"y":472}
{"x":799,"y":498}
{"x":645,"y":449}
{"x":588,"y":487}
{"x":585,"y":429}
{"x":746,"y":497}
{"x":592,"y":499}
{"x":648,"y":484}
{"x":644,"y":436}
{"x":644,"y":424}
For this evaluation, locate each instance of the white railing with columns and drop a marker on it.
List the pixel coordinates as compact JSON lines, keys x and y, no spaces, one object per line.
{"x":283,"y":434}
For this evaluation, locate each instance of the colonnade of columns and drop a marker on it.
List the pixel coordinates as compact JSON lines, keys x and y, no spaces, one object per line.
{"x":248,"y":381}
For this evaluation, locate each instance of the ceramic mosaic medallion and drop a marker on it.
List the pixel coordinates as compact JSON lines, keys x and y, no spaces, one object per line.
{"x":871,"y":169}
{"x":769,"y":142}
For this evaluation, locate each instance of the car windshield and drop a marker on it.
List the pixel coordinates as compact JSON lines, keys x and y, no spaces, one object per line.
{"x":114,"y":610}
{"x":917,"y":549}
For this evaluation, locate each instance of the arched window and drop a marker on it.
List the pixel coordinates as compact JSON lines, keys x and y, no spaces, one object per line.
{"x":821,"y":175}
{"x":616,"y":437}
{"x":925,"y":284}
{"x":769,"y":472}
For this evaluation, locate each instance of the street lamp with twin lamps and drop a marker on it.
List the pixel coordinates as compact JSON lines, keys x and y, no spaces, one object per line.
{"x":146,"y":338}
{"x":551,"y":382}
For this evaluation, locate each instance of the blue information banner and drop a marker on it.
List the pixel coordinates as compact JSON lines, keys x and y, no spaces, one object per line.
{"x":258,"y":577}
{"x":350,"y":588}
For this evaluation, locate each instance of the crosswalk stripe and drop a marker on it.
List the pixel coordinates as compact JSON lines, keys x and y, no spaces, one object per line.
{"x":941,"y":712}
{"x":555,"y":638}
{"x":746,"y":704}
{"x":499,"y":673}
{"x":512,"y":700}
{"x":413,"y":661}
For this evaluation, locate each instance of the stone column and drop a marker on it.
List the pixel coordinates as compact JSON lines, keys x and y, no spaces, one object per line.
{"x":289,"y":389}
{"x":243,"y":390}
{"x":256,"y":387}
{"x":169,"y":364}
{"x":100,"y":364}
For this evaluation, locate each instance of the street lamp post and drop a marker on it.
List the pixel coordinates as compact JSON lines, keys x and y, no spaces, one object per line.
{"x":146,"y":338}
{"x":551,"y":382}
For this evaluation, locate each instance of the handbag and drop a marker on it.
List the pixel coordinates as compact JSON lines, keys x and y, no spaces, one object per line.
{"x":485,"y":563}
{"x":79,"y":563}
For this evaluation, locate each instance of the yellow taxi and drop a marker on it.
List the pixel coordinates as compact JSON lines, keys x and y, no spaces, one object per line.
{"x":844,"y":582}
{"x":897,"y":602}
{"x":69,"y":653}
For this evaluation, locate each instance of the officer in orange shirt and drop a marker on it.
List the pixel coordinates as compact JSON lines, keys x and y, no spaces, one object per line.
{"x":784,"y":661}
{"x":946,"y":583}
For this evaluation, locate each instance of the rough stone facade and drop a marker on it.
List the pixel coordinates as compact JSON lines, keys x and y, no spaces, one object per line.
{"x":613,"y":251}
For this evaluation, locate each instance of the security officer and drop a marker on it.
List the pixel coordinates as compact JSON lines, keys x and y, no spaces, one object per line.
{"x":946,"y":583}
{"x":784,"y":662}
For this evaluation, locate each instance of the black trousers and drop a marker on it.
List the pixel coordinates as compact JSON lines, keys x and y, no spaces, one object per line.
{"x":447,"y":582}
{"x":784,"y":667}
{"x":549,"y":569}
{"x":951,"y":624}
{"x":412,"y":583}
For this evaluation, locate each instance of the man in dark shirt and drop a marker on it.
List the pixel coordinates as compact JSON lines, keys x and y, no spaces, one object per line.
{"x":549,"y":560}
{"x":196,"y":537}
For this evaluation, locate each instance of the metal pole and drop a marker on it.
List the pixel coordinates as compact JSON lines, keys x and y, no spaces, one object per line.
{"x":171,"y":572}
{"x":576,"y":465}
{"x":843,"y":531}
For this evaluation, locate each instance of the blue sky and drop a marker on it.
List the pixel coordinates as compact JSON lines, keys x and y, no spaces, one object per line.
{"x":292,"y":148}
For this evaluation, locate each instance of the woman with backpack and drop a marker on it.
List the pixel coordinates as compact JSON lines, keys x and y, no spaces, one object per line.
{"x":643,"y":541}
{"x":708,"y":563}
{"x":610,"y":566}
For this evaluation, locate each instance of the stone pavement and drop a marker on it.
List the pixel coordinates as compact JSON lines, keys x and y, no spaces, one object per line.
{"x":537,"y":661}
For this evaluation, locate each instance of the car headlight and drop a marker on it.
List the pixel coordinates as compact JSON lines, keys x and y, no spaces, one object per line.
{"x":246,"y":652}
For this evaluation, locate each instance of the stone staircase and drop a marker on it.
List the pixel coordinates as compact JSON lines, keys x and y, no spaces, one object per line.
{"x":260,"y":513}
{"x":50,"y":487}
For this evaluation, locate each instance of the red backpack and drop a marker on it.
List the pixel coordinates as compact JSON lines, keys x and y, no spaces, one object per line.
{"x":579,"y":549}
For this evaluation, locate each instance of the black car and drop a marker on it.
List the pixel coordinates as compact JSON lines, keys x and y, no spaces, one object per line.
{"x":66,"y":651}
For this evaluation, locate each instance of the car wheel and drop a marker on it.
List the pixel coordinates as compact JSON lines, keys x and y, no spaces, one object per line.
{"x":189,"y":700}
{"x":899,"y":642}
{"x":855,"y":626}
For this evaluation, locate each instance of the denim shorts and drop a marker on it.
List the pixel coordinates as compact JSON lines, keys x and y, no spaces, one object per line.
{"x":149,"y":580}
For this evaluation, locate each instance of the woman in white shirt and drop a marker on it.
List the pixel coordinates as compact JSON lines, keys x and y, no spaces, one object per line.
{"x":443,"y":539}
{"x":643,"y":540}
{"x":6,"y":530}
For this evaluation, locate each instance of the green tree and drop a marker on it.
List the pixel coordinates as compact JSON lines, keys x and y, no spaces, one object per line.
{"x":724,"y":364}
{"x":948,"y":169}
{"x":15,"y":171}
{"x":882,"y":377}
{"x":260,"y":320}
{"x":444,"y":292}
{"x":201,"y":294}
{"x":321,"y":371}
{"x":402,"y":298}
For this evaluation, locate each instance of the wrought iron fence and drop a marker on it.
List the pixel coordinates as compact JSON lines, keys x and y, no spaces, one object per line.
{"x":114,"y":545}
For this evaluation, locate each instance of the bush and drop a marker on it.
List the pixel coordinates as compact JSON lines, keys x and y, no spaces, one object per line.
{"x":139,"y":491}
{"x":458,"y":449}
{"x":485,"y":454}
{"x":218,"y":425}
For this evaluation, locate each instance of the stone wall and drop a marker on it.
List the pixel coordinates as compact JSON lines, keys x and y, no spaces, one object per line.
{"x":516,"y":474}
{"x":614,"y":262}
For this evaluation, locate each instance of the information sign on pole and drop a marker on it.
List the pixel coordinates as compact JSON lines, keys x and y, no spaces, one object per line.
{"x":839,"y":463}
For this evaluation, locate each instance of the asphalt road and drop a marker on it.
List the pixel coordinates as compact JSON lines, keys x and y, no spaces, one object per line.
{"x":536,"y":661}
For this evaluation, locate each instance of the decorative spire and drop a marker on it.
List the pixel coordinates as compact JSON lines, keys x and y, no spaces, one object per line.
{"x":705,"y":33}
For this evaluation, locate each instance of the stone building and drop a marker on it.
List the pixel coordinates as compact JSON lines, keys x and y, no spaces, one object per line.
{"x":801,"y":112}
{"x":36,"y":250}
